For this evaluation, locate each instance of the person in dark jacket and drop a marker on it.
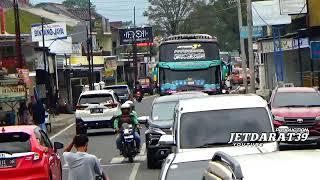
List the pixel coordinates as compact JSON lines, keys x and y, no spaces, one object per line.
{"x":39,"y":114}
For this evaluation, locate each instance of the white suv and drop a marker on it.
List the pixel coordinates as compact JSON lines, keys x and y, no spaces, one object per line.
{"x":203,"y":126}
{"x":96,"y":109}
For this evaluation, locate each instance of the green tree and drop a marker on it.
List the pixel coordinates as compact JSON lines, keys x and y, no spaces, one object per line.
{"x":217,"y":18}
{"x":78,"y":4}
{"x":167,"y":16}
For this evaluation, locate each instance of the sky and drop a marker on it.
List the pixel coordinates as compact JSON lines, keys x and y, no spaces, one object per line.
{"x":116,"y":10}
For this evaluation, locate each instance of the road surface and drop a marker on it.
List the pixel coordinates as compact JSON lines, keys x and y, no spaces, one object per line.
{"x":102,"y":144}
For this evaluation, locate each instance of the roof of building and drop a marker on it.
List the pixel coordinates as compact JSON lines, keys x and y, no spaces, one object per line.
{"x":296,"y":89}
{"x":219,"y":102}
{"x":179,"y":96}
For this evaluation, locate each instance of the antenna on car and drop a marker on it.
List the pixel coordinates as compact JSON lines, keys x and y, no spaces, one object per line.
{"x":3,"y":130}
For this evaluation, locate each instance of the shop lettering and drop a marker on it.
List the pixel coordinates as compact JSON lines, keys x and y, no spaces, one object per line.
{"x":46,"y":32}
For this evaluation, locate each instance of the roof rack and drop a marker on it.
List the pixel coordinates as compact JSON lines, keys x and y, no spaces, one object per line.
{"x":188,"y":36}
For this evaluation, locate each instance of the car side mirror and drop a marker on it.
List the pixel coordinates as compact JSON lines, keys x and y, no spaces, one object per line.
{"x":143,"y":119}
{"x":166,"y":140}
{"x":57,"y":145}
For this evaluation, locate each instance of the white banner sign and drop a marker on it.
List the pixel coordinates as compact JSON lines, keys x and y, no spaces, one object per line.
{"x":265,"y":13}
{"x":286,"y":45}
{"x":293,"y":7}
{"x":51,"y":31}
{"x":59,"y":46}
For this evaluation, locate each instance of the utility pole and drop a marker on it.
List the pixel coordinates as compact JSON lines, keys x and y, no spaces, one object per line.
{"x":89,"y":59}
{"x":43,"y":45}
{"x":90,"y":43}
{"x":18,"y":37}
{"x":250,"y":48}
{"x":242,"y":49}
{"x":134,"y":48}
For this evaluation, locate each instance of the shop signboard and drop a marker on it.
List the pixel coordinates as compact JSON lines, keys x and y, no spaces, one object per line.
{"x":291,"y":7}
{"x":141,"y":34}
{"x":10,"y":93}
{"x":83,"y":61}
{"x":51,"y":31}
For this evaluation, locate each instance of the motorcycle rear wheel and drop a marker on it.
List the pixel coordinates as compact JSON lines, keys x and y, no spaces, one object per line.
{"x":131,"y":159}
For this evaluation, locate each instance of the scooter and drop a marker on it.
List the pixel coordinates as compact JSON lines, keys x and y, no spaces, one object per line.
{"x":129,"y":148}
{"x":139,"y":96}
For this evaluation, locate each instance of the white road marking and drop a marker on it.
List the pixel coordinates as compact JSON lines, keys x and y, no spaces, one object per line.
{"x":62,"y":131}
{"x":134,"y":171}
{"x":140,"y":157}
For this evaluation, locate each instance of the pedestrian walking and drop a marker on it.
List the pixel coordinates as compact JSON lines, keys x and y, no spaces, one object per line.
{"x":23,"y":114}
{"x":82,"y":165}
{"x":38,"y":113}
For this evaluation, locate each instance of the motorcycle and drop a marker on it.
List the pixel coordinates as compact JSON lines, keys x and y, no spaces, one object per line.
{"x":129,"y":148}
{"x":139,"y":96}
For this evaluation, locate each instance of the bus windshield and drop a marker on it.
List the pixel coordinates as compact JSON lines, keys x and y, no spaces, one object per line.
{"x":184,"y":51}
{"x":181,"y":80}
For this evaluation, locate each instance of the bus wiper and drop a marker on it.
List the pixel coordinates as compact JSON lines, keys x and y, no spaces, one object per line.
{"x":206,"y":145}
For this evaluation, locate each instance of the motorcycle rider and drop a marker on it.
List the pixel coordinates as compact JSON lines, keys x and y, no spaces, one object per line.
{"x":132,"y":108}
{"x":126,"y":117}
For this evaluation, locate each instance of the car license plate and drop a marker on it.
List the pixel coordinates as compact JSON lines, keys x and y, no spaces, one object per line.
{"x":96,"y":110}
{"x":7,"y":163}
{"x":128,"y":137}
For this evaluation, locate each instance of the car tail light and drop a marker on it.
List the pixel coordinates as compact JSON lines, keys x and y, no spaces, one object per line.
{"x":112,"y":105}
{"x":81,"y":107}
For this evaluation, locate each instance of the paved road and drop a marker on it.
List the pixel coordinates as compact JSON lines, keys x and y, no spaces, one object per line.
{"x":102,"y":144}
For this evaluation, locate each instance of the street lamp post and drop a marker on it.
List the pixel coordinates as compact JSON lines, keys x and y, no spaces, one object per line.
{"x":90,"y":45}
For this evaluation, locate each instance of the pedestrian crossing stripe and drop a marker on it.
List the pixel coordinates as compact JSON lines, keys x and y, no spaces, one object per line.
{"x":120,"y":159}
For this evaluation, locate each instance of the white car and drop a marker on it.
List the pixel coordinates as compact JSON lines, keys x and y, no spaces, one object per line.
{"x":96,"y":109}
{"x":203,"y":126}
{"x":293,"y":165}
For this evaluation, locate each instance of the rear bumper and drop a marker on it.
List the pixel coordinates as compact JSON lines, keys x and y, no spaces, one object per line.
{"x":94,"y":124}
{"x":30,"y":173}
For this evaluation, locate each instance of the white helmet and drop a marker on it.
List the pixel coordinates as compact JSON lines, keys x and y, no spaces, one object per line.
{"x":130,"y":103}
{"x":125,"y":106}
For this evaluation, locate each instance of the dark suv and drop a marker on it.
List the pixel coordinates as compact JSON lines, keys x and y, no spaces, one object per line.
{"x":160,"y":123}
{"x":123,"y":92}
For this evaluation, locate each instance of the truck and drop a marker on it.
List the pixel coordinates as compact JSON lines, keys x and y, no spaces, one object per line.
{"x":190,"y":62}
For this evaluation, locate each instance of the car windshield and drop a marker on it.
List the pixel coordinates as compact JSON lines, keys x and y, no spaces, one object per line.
{"x":163,"y":111}
{"x":296,"y":99}
{"x":144,"y":81}
{"x":119,"y":90}
{"x":96,"y":99}
{"x":14,"y":143}
{"x":215,"y":127}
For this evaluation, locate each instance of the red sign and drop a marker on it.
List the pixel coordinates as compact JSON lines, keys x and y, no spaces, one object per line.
{"x":9,"y":62}
{"x":144,"y":44}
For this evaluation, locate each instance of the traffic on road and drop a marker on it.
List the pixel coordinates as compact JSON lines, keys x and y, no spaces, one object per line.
{"x":167,"y":90}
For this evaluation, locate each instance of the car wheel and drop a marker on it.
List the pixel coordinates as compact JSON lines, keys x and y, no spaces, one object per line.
{"x":152,"y":163}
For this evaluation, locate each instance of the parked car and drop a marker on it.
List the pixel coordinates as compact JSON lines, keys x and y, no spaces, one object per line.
{"x":147,"y":85}
{"x":255,"y":166}
{"x":297,"y":107}
{"x":26,"y":152}
{"x":122,"y":91}
{"x":160,"y":123}
{"x":203,"y":126}
{"x":96,"y":109}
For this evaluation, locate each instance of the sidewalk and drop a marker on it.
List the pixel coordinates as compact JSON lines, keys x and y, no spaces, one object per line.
{"x":61,"y":121}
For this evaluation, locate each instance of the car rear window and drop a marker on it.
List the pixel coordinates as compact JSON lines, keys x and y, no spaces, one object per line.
{"x":119,"y":90}
{"x":96,"y":99}
{"x":17,"y":142}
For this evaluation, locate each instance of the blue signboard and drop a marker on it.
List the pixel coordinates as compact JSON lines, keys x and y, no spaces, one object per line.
{"x":257,"y":32}
{"x":315,"y":50}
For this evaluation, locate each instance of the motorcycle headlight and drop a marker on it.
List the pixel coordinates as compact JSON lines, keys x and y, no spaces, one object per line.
{"x":157,"y":130}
